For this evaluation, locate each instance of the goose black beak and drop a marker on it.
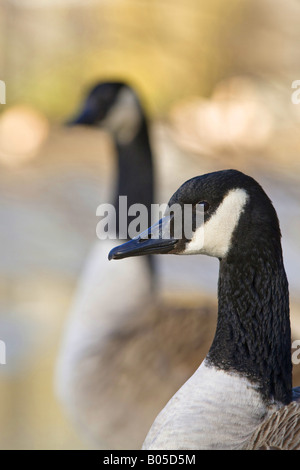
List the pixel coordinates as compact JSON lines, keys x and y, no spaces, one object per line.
{"x":83,"y":118}
{"x":154,"y":240}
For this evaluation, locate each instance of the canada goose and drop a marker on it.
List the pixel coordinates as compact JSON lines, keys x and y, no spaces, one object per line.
{"x":107,"y":345}
{"x":82,"y":379}
{"x":241,"y":396}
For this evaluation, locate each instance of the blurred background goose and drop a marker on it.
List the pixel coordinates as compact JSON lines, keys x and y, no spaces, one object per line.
{"x":241,"y":396}
{"x":107,"y":368}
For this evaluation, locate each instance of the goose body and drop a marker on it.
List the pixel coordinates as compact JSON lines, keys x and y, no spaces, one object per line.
{"x":241,"y":396}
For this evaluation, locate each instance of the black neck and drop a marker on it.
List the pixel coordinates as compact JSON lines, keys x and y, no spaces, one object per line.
{"x":253,"y":330}
{"x":135,"y":179}
{"x":136,"y":176}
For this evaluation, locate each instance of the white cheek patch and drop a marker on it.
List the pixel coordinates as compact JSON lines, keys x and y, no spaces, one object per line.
{"x":124,"y":117}
{"x":214,"y":237}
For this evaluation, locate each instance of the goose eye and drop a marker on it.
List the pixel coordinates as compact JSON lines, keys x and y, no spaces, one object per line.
{"x":204,"y":204}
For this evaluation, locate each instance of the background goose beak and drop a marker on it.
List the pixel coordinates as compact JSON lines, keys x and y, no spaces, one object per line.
{"x":83,"y":118}
{"x":155,"y":240}
{"x":87,"y":115}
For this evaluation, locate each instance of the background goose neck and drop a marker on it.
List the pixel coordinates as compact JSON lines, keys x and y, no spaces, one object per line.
{"x":135,"y":180}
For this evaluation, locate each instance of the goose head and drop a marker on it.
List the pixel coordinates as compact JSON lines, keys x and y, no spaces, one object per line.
{"x":223,"y":214}
{"x":239,"y":226}
{"x":113,"y":106}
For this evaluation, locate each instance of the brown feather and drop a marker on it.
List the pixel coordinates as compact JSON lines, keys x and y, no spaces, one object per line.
{"x":280,"y":431}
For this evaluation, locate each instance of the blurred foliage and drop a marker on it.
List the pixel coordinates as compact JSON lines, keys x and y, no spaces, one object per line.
{"x":169,"y":50}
